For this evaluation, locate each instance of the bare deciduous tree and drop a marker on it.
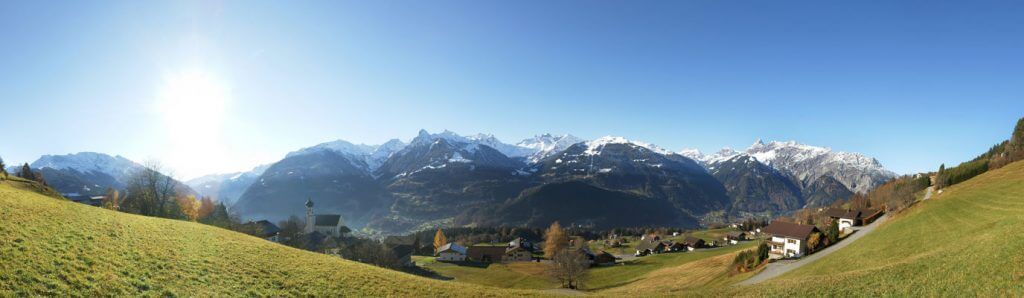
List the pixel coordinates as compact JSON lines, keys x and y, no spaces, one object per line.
{"x":569,"y":267}
{"x":151,"y":192}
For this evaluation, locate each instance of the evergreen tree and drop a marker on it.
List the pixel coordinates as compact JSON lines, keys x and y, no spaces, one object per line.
{"x":832,"y":233}
{"x":26,"y":172}
{"x":3,"y":168}
{"x":940,"y":178}
{"x":762,"y":251}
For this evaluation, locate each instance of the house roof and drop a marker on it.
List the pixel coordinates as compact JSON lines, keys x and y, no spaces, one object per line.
{"x":327,"y":220}
{"x":692,"y":241}
{"x":790,"y":230}
{"x":266,"y":228}
{"x":649,"y":244}
{"x":521,"y":243}
{"x":452,"y":246}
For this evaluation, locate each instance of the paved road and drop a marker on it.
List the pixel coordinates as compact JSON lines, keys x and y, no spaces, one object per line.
{"x":780,"y":267}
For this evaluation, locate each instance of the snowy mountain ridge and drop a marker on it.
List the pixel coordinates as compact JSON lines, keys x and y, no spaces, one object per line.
{"x":85,"y":162}
{"x":856,"y":171}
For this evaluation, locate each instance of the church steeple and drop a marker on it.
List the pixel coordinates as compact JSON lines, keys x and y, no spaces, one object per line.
{"x":309,"y":215}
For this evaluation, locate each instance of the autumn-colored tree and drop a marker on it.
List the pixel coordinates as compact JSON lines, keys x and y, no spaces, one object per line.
{"x":439,"y":240}
{"x":555,"y":240}
{"x":813,"y":241}
{"x":206,"y":206}
{"x":112,"y":200}
{"x":190,"y":207}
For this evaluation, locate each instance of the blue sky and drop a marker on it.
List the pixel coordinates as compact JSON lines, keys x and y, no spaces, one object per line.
{"x":912,"y":83}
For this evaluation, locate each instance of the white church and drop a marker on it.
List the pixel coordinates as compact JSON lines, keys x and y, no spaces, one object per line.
{"x":327,"y":224}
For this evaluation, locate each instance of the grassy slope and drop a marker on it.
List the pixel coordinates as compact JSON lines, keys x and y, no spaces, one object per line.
{"x":964,"y":242}
{"x":54,"y":247}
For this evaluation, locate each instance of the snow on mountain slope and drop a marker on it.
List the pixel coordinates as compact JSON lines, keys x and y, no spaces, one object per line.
{"x":369,"y":157}
{"x":546,"y":145}
{"x":594,"y":147}
{"x":806,"y":163}
{"x":856,"y":171}
{"x":85,"y":162}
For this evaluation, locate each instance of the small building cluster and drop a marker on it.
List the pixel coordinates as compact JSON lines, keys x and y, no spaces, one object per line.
{"x":652,"y":244}
{"x":517,"y":250}
{"x":789,"y":240}
{"x":851,"y":218}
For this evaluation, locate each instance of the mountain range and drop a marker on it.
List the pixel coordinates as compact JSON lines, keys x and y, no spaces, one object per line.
{"x":440,"y":179}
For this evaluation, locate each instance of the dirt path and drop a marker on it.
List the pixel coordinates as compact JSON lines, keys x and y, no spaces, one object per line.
{"x":781,"y":267}
{"x":928,"y":195}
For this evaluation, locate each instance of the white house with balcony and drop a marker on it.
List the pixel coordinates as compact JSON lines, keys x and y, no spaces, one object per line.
{"x":788,"y":240}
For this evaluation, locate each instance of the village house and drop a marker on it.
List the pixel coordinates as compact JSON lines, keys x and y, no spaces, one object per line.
{"x":735,"y":237}
{"x":518,"y":250}
{"x":597,"y":259}
{"x":485,"y":253}
{"x":266,"y":230}
{"x":788,"y":240}
{"x":693,"y":243}
{"x":327,"y":224}
{"x":650,"y":246}
{"x":95,"y":201}
{"x":451,"y":252}
{"x":852,"y":218}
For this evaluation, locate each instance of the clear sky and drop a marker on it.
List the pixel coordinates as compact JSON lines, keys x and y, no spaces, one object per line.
{"x":213,"y":86}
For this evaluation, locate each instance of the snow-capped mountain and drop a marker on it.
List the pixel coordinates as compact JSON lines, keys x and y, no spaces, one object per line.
{"x":226,"y":188}
{"x":368,"y":157}
{"x":856,"y":171}
{"x":708,"y":160}
{"x":86,"y":162}
{"x":87,"y":173}
{"x":807,"y":163}
{"x":546,"y":145}
{"x":435,"y":151}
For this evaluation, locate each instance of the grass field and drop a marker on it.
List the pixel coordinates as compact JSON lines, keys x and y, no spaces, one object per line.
{"x":53,"y":247}
{"x":964,"y":242}
{"x":517,"y":275}
{"x":531,"y":275}
{"x":602,"y":278}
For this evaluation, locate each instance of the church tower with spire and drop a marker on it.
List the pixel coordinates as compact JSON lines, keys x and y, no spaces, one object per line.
{"x":310,"y":218}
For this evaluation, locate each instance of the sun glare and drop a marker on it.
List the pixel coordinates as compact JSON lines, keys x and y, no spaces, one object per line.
{"x":193,"y":105}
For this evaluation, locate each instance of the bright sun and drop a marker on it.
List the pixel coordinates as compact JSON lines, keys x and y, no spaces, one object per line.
{"x":193,"y":106}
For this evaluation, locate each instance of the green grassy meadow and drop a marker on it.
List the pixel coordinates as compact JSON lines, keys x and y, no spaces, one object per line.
{"x":964,"y":242}
{"x":54,"y":247}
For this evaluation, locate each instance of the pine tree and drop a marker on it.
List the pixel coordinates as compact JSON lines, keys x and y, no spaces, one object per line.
{"x":832,"y":233}
{"x":3,"y":168}
{"x":26,"y":173}
{"x":439,"y":240}
{"x":940,"y":178}
{"x":762,"y":251}
{"x":554,"y":240}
